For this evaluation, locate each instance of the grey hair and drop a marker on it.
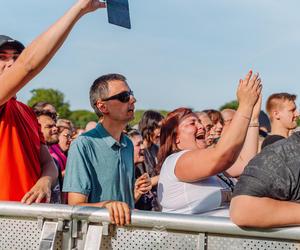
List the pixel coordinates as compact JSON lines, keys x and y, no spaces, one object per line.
{"x":99,"y":89}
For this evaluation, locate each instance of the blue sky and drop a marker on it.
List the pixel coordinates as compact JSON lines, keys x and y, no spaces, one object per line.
{"x":178,"y":53}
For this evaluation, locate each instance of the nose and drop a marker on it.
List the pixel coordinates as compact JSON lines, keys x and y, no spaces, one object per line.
{"x":9,"y":63}
{"x":199,"y":126}
{"x":54,"y":129}
{"x":132,"y":99}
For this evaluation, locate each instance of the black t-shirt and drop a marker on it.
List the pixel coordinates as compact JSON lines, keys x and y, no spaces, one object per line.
{"x":270,"y":139}
{"x":274,"y":173}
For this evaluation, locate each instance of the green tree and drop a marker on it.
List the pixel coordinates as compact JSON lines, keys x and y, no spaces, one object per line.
{"x":81,"y":117}
{"x":230,"y":105}
{"x":53,"y":96}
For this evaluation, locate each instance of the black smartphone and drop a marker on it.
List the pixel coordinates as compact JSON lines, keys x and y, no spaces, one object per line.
{"x":118,"y":13}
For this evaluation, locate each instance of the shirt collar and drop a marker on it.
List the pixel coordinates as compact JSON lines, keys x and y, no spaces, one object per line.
{"x":109,"y":140}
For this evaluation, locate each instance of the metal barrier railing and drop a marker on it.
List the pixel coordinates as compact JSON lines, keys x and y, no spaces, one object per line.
{"x":47,"y":226}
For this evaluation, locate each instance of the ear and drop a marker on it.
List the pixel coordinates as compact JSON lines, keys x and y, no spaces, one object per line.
{"x":102,"y":107}
{"x":276,"y":114}
{"x":177,"y":141}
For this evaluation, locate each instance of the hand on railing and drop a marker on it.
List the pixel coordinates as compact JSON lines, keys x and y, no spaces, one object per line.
{"x":119,"y":212}
{"x":40,"y":192}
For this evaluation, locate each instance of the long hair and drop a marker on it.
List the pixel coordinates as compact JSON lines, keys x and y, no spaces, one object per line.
{"x":149,"y":122}
{"x":168,"y":134}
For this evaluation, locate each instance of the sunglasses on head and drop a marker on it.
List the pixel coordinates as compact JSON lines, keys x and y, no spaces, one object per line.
{"x":122,"y":97}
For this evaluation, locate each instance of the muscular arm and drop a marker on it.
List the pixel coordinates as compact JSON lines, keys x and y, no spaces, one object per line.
{"x":42,"y":189}
{"x":36,"y":56}
{"x":264,"y":212}
{"x":119,"y":211}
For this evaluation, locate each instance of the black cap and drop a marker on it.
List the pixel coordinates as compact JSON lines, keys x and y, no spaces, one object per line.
{"x":14,"y":43}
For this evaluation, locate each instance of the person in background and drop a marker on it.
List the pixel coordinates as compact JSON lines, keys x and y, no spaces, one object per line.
{"x":283,"y":114}
{"x":145,"y":202}
{"x":149,"y":126}
{"x":50,"y":133}
{"x":207,"y":124}
{"x":218,"y":124}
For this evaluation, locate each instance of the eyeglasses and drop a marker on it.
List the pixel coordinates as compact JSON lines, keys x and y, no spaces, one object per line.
{"x":122,"y":97}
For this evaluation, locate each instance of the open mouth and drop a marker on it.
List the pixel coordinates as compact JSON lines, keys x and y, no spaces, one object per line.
{"x":200,"y":136}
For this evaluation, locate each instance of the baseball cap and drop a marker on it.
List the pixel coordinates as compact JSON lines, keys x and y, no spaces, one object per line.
{"x":14,"y":43}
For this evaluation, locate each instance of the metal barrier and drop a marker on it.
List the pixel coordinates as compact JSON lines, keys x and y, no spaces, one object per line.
{"x":43,"y":226}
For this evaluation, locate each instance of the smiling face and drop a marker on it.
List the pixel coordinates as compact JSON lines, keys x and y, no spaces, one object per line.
{"x":49,"y":129}
{"x":65,"y":139}
{"x":190,"y":130}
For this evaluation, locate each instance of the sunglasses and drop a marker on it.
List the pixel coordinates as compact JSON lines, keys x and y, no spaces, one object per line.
{"x":8,"y":56}
{"x":122,"y":97}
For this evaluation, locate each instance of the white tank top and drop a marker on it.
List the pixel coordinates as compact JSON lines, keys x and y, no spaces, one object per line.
{"x":198,"y":197}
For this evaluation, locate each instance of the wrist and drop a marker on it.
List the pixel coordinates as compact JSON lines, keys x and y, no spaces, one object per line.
{"x":254,"y":124}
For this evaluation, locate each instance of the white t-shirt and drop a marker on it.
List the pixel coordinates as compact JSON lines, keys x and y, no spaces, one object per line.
{"x":198,"y":197}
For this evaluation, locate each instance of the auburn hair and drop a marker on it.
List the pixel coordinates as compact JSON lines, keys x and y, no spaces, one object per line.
{"x":168,"y":134}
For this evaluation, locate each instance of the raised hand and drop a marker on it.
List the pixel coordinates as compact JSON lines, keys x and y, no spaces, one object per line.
{"x":90,"y":5}
{"x":249,"y":90}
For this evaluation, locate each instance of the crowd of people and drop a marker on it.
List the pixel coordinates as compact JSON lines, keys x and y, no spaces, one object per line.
{"x":238,"y":163}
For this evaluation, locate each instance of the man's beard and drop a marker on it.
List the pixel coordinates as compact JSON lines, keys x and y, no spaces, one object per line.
{"x":52,"y":141}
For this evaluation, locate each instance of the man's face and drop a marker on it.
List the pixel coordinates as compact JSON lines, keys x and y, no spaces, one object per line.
{"x":137,"y":141}
{"x":118,"y":110}
{"x":7,"y":58}
{"x":288,"y":114}
{"x":49,"y":129}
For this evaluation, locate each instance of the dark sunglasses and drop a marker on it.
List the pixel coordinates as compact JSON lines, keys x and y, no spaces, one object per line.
{"x":122,"y":97}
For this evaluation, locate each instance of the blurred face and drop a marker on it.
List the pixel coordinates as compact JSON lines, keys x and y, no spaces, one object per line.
{"x":65,"y":139}
{"x":189,"y":131}
{"x":7,"y":58}
{"x":50,"y":108}
{"x":49,"y":129}
{"x":217,"y":130}
{"x":288,"y":115}
{"x":155,"y":137}
{"x":116,"y":109}
{"x":137,"y":141}
{"x":207,"y":124}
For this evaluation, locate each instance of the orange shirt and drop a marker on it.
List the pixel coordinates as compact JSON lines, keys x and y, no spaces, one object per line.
{"x":20,"y":143}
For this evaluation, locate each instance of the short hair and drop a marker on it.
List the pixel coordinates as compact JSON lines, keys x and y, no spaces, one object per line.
{"x":40,"y":106}
{"x":62,"y":124}
{"x":274,"y":99}
{"x":99,"y":89}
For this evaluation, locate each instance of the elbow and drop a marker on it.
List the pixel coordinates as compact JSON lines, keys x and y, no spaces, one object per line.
{"x":237,"y":217}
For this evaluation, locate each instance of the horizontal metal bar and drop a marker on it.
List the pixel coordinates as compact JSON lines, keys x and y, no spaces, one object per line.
{"x":168,"y":221}
{"x":50,"y":211}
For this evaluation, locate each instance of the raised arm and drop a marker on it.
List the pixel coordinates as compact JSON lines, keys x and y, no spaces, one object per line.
{"x":250,"y":147}
{"x":201,"y":163}
{"x":251,"y":211}
{"x":37,"y":55}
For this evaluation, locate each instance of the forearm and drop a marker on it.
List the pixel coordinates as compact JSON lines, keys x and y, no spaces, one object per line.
{"x":249,"y":150}
{"x":36,"y":56}
{"x":263,"y":212}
